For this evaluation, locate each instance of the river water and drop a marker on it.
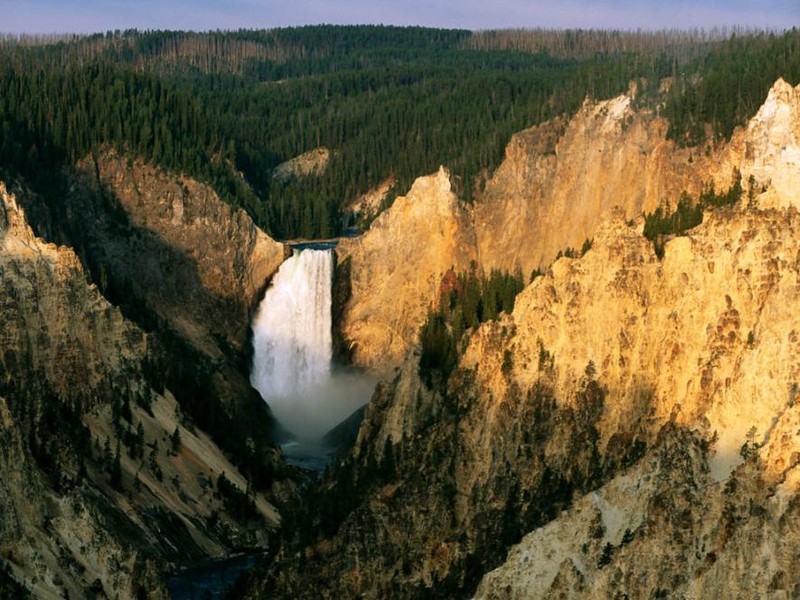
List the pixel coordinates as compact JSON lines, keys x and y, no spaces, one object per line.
{"x":209,"y":580}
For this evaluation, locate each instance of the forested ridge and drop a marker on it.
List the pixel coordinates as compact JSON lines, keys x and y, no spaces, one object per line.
{"x":228,"y":107}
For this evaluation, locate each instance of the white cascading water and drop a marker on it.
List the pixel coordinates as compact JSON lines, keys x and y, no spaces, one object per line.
{"x":292,"y":331}
{"x":292,"y":349}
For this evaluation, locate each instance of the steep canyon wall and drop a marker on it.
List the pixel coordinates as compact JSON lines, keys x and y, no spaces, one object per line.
{"x":96,"y":497}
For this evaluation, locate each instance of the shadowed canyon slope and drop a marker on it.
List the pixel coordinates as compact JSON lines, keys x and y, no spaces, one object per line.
{"x":188,"y":269}
{"x":102,"y":474}
{"x":194,"y":260}
{"x":636,"y":416}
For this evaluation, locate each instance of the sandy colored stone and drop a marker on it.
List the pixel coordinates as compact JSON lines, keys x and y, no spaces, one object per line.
{"x":397,"y":267}
{"x":313,"y":162}
{"x":558,"y":182}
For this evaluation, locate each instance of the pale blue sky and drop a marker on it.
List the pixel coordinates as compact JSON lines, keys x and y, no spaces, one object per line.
{"x":38,"y":16}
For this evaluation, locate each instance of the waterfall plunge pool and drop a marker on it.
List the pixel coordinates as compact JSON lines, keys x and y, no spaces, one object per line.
{"x":292,"y":357}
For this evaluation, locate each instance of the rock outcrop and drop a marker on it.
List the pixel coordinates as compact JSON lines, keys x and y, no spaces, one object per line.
{"x":767,"y":150}
{"x":194,"y":260}
{"x":681,"y":367}
{"x":665,"y":528}
{"x":313,"y":162}
{"x":396,"y":268}
{"x":188,"y":269}
{"x":105,"y":483}
{"x":367,"y":206}
{"x":559,"y":180}
{"x":694,"y":331}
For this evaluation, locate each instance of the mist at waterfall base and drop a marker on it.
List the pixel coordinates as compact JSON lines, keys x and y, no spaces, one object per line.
{"x":292,"y":351}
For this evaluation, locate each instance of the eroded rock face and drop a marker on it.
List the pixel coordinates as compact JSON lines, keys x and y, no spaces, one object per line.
{"x":768,"y":148}
{"x":646,"y":380}
{"x":559,"y":181}
{"x":396,"y":268}
{"x":96,"y":496}
{"x":313,"y":162}
{"x":187,"y":268}
{"x":55,"y":324}
{"x":663,"y":528}
{"x":694,"y":331}
{"x":550,"y":193}
{"x":367,"y":206}
{"x":189,"y":256}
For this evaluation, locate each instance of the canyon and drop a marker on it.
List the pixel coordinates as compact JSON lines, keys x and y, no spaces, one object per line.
{"x":630,"y":426}
{"x":557,"y":184}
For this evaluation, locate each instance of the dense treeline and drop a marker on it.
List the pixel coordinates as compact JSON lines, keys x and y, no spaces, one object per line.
{"x":588,"y":43}
{"x":387,"y":101}
{"x":468,"y":299}
{"x":401,"y":110}
{"x":721,"y":90}
{"x":688,"y":213}
{"x":52,"y":115}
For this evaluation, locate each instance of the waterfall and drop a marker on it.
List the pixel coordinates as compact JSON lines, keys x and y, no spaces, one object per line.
{"x":292,"y":331}
{"x":292,"y":348}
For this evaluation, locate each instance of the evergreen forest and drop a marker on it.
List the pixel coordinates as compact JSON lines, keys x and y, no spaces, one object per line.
{"x":228,"y":107}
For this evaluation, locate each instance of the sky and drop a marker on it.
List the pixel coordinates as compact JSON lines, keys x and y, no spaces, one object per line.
{"x":87,"y":16}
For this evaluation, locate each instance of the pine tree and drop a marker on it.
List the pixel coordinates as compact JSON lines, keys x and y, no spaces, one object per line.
{"x":175,"y":441}
{"x":116,"y":470}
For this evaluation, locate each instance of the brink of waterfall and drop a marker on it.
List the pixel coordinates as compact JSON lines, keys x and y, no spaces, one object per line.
{"x":292,"y":349}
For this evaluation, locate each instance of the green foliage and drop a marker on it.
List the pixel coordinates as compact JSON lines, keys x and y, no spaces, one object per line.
{"x":52,"y":429}
{"x":439,"y":355}
{"x":152,"y":461}
{"x":750,"y":448}
{"x":387,"y":465}
{"x":687,"y":214}
{"x":472,"y":299}
{"x":508,"y":362}
{"x":627,"y":537}
{"x":175,"y":441}
{"x":240,"y":505}
{"x":134,"y":441}
{"x":54,"y":113}
{"x":115,"y":470}
{"x":10,"y":587}
{"x":722,"y":89}
{"x":388,"y":101}
{"x":190,"y":376}
{"x":605,"y":556}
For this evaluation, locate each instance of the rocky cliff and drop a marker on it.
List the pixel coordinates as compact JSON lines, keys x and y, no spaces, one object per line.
{"x":313,"y":162}
{"x":767,"y":150}
{"x":635,"y":416}
{"x":557,"y":183}
{"x":190,"y":257}
{"x":105,"y":482}
{"x":657,"y":377}
{"x":188,"y":269}
{"x":396,"y":269}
